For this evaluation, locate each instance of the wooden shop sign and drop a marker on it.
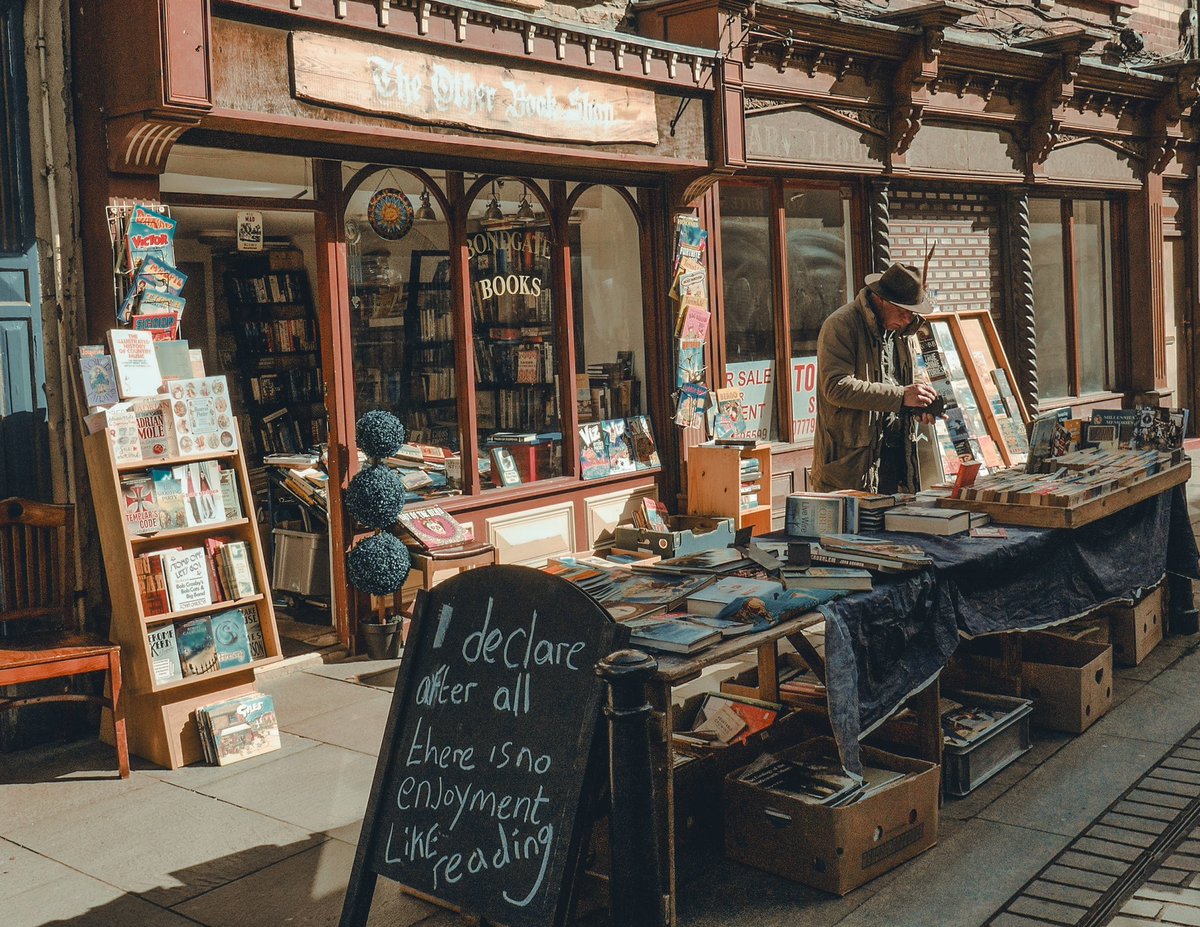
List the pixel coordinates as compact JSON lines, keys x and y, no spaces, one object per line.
{"x":414,"y":85}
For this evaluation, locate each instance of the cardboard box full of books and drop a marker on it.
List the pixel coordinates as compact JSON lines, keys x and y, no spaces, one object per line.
{"x":1137,"y":629}
{"x":1069,"y":681}
{"x":835,"y":849}
{"x":688,"y":534}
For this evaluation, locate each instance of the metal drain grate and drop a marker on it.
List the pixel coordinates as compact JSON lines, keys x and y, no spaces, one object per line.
{"x":1084,"y":885}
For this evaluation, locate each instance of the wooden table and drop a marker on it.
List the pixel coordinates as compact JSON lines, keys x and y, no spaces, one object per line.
{"x":921,"y":734}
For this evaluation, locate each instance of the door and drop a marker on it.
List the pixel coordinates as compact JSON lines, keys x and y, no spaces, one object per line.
{"x":23,"y":436}
{"x":1177,"y":321}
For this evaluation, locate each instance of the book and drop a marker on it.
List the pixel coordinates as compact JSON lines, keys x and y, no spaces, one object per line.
{"x":593,"y":455}
{"x":137,"y":497}
{"x":150,"y":232}
{"x":186,"y":572}
{"x":99,"y":380}
{"x":671,"y":635}
{"x":196,"y":646}
{"x":162,"y":326}
{"x":201,"y":483}
{"x":926,"y":520}
{"x":617,"y":447}
{"x":174,"y":360}
{"x":814,"y":779}
{"x":152,"y":585}
{"x":254,"y":635}
{"x":121,"y":424}
{"x":169,"y":499}
{"x":506,"y":471}
{"x":766,"y":611}
{"x":230,"y":497}
{"x":156,"y":429}
{"x":818,"y":577}
{"x":433,"y":527}
{"x":813,"y":514}
{"x":720,"y":560}
{"x":164,"y":655}
{"x":135,"y":363}
{"x":641,"y":442}
{"x":238,"y":729}
{"x":729,"y":627}
{"x":229,"y":639}
{"x":713,"y":599}
{"x":202,"y":415}
{"x":968,"y":470}
{"x":238,"y":571}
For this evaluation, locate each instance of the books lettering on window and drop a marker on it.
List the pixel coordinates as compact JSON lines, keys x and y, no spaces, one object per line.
{"x":230,"y":640}
{"x":135,"y":363}
{"x":187,"y":578}
{"x":714,"y":599}
{"x":99,"y":380}
{"x":156,"y":429}
{"x":164,"y":656}
{"x":141,"y":512}
{"x":197,"y":647}
{"x":202,"y":415}
{"x":239,"y":728}
{"x":434,"y":528}
{"x":917,"y":519}
{"x":818,"y":577}
{"x":671,"y":635}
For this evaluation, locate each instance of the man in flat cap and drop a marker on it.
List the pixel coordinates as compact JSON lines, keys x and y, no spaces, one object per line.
{"x":868,"y":406}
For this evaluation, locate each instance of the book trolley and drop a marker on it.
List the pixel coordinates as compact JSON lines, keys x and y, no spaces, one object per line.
{"x":160,"y":716}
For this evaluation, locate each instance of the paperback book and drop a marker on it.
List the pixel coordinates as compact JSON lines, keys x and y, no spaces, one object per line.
{"x":239,"y":728}
{"x":197,"y":647}
{"x":164,"y":655}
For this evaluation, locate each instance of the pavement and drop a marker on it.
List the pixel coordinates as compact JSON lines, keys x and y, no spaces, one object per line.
{"x":270,"y":841}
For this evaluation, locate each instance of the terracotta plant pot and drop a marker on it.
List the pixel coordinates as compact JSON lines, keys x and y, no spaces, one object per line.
{"x":383,"y":640}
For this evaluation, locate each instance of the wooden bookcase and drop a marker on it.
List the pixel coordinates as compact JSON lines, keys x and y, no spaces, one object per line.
{"x":161,"y":725}
{"x":715,"y":483}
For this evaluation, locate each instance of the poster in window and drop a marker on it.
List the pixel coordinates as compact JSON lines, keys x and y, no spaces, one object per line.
{"x":756,"y":381}
{"x":804,"y":398}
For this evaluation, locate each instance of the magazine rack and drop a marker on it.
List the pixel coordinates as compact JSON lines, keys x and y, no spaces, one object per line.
{"x":160,"y":717}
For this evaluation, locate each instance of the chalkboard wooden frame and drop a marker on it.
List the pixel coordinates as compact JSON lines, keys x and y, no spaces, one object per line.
{"x":586,"y":770}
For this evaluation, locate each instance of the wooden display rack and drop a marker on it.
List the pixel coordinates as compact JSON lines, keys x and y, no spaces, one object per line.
{"x":714,"y":484}
{"x":1057,"y":516}
{"x":160,"y":720}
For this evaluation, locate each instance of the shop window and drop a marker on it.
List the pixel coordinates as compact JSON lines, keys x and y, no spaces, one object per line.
{"x":516,"y":328}
{"x":1073,"y":295}
{"x":401,"y":309}
{"x":817,"y":233}
{"x":226,"y":172}
{"x":610,"y":347}
{"x":749,"y":304}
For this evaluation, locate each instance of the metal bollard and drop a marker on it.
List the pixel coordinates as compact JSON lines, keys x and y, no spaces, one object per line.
{"x":635,"y":891}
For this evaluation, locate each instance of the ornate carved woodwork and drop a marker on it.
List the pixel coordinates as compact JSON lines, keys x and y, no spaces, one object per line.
{"x":1024,"y":320}
{"x":1056,"y":90}
{"x":1165,"y":119}
{"x":880,"y":216}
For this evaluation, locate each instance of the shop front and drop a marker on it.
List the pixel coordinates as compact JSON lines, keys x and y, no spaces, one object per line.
{"x":468,"y":209}
{"x":1043,"y":181}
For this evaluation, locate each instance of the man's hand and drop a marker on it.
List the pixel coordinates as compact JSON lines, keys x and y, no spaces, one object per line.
{"x":919,"y":395}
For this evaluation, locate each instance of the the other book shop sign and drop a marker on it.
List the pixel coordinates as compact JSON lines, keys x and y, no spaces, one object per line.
{"x":414,"y":85}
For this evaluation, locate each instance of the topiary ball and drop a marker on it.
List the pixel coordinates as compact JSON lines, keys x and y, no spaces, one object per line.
{"x":375,"y":496}
{"x":378,"y":564}
{"x":379,"y":434}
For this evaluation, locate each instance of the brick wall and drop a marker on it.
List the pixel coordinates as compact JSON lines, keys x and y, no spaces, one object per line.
{"x":966,"y":267}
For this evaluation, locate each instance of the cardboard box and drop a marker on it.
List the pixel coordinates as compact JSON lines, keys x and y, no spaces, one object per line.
{"x":688,"y":534}
{"x":1069,"y":681}
{"x":834,"y":849}
{"x":1137,"y":629}
{"x":1096,"y":629}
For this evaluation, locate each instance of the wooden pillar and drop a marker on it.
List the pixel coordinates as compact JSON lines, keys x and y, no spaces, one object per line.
{"x":1147,"y":326}
{"x":1021,"y":296}
{"x":879,"y":216}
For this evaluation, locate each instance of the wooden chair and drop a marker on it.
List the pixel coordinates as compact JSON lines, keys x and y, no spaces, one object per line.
{"x":37,"y":581}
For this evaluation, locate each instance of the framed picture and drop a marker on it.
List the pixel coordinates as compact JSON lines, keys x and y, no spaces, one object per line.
{"x":506,"y":472}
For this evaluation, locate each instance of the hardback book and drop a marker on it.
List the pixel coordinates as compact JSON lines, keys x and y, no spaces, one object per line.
{"x":813,"y":514}
{"x":164,"y":655}
{"x":507,"y":473}
{"x":968,"y":470}
{"x":766,"y":611}
{"x":713,"y":599}
{"x":434,"y":527}
{"x":137,"y":498}
{"x":169,"y":499}
{"x":641,"y":442}
{"x":196,"y":355}
{"x":174,"y":359}
{"x":918,"y":519}
{"x":672,"y":635}
{"x":254,"y":634}
{"x":186,"y":572}
{"x":156,"y":429}
{"x":196,"y":645}
{"x":819,"y":577}
{"x":238,"y":571}
{"x":593,"y":455}
{"x":152,"y":585}
{"x":230,"y":640}
{"x":135,"y":363}
{"x":616,"y":446}
{"x":230,"y":497}
{"x":239,"y":728}
{"x":884,"y":549}
{"x":202,"y":415}
{"x":99,"y":380}
{"x":512,"y":437}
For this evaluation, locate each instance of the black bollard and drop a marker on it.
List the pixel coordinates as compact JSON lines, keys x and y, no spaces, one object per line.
{"x":635,"y":891}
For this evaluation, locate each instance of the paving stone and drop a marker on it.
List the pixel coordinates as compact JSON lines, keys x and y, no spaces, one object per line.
{"x":1155,"y":783}
{"x":1134,"y":838}
{"x":1187,"y":753}
{"x":357,"y":726}
{"x":1178,"y":762}
{"x":1150,"y":714}
{"x":1162,"y":799}
{"x":1140,"y":907}
{"x":1183,"y":861}
{"x":1015,"y":920}
{"x":1067,"y":894}
{"x":1165,"y":876}
{"x":1172,"y":895}
{"x":193,"y":777}
{"x":1081,"y":878}
{"x":1090,"y":863}
{"x":1107,"y":848}
{"x":1191,"y":846}
{"x":1123,"y":921}
{"x":1143,"y":810}
{"x":1180,"y":914}
{"x":1048,"y":910}
{"x":1129,"y":822}
{"x":305,"y":890}
{"x":303,"y":695}
{"x":967,"y":807}
{"x":1177,"y":775}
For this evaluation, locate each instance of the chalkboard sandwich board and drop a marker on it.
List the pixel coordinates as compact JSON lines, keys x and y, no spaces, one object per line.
{"x":480,"y":781}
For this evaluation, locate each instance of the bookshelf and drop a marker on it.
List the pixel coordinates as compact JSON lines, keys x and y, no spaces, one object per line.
{"x":161,"y":725}
{"x":277,"y":353}
{"x":430,"y":405}
{"x":715,"y":484}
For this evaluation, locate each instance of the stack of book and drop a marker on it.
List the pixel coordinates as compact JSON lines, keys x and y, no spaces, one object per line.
{"x":238,"y":728}
{"x":206,"y":644}
{"x":874,"y":554}
{"x":920,"y":519}
{"x":816,"y":779}
{"x":651,"y":515}
{"x":723,"y":720}
{"x":963,"y":724}
{"x":681,"y":632}
{"x":750,"y":476}
{"x":427,"y":471}
{"x":432,"y":528}
{"x":868,"y":508}
{"x":179,"y":579}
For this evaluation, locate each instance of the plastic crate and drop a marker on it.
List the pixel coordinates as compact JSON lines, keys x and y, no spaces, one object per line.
{"x":301,"y":563}
{"x":964,"y":769}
